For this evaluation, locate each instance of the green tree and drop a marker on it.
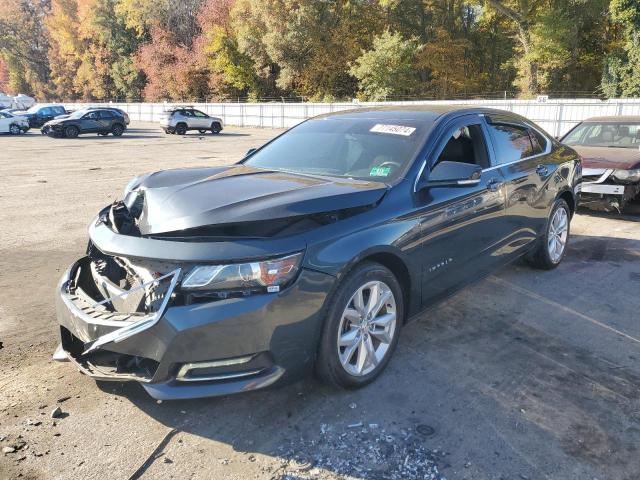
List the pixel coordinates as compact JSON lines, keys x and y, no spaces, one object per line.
{"x":622,"y":72}
{"x":387,"y":69}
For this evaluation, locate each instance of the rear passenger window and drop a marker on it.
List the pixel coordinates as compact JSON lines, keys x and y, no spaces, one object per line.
{"x":106,"y":114}
{"x":512,"y":142}
{"x":538,"y":141}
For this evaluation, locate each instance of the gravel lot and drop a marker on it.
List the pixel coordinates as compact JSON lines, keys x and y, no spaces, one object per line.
{"x":525,"y":375}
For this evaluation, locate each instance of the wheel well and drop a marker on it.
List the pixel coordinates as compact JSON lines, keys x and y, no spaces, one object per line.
{"x":117,"y":124}
{"x":401,"y":272}
{"x":568,"y":197}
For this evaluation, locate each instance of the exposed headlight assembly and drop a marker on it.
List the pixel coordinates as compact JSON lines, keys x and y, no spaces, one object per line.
{"x":627,"y":176}
{"x":269,"y":275}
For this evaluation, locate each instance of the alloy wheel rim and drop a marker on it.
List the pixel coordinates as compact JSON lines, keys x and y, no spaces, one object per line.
{"x":367,"y":328}
{"x":14,"y":129}
{"x":558,"y":232}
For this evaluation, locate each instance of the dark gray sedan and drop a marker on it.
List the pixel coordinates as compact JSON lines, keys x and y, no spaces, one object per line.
{"x":312,"y":252}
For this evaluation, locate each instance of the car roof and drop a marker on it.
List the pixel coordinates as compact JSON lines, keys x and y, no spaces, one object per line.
{"x":614,"y":119}
{"x":415,"y":112}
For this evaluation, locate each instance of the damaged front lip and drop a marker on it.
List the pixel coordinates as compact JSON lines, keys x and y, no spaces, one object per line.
{"x":126,"y":329}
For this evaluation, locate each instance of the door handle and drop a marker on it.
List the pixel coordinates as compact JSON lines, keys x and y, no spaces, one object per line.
{"x":494,"y":185}
{"x":542,"y":170}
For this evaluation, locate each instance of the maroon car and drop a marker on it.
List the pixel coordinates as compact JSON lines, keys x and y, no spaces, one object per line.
{"x":610,"y":151}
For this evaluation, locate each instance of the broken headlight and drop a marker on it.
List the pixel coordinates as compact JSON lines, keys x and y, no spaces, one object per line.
{"x":627,"y":176}
{"x":269,"y":274}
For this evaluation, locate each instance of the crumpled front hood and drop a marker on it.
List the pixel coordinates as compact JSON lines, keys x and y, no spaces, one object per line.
{"x":607,"y":157}
{"x":188,"y":198}
{"x":56,"y":121}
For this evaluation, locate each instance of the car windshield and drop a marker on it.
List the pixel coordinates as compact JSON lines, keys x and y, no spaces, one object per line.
{"x":78,"y":114}
{"x":372,"y":148}
{"x":617,"y":135}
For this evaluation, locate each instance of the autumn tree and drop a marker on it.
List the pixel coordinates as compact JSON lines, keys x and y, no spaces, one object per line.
{"x":449,"y":62}
{"x":24,"y":45}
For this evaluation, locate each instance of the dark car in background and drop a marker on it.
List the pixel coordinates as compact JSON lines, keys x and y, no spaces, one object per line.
{"x":38,"y":115}
{"x":102,"y":121}
{"x":117,"y":111}
{"x":313,"y":251}
{"x":610,"y":151}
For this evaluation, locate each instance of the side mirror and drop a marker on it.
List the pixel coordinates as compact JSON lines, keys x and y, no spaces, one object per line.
{"x":453,"y":174}
{"x":250,"y":151}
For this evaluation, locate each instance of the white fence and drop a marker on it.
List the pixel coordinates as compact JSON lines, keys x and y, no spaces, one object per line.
{"x":555,"y":116}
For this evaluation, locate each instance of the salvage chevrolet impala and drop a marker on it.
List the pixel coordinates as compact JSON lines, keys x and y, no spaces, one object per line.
{"x":313,"y":251}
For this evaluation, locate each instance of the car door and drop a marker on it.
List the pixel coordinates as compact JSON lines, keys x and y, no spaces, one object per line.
{"x":202,"y":120}
{"x":462,"y":227}
{"x":89,"y":123}
{"x":105,"y":118}
{"x":42,"y":116}
{"x":5,"y":121}
{"x":521,"y":154}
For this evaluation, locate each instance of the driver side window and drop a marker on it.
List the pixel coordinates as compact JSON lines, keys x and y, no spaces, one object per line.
{"x":466,"y":145}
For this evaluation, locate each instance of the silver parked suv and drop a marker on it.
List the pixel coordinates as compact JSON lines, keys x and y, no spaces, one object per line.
{"x":181,"y":119}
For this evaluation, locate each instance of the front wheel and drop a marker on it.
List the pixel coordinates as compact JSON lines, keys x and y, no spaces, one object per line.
{"x":14,"y":129}
{"x":362,"y":327}
{"x":553,"y":244}
{"x":71,"y":132}
{"x":216,"y":128}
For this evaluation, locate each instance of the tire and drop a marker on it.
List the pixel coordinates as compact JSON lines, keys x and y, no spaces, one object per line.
{"x":341,"y":366}
{"x":181,"y":129}
{"x":552,"y":246}
{"x":71,"y":131}
{"x":14,"y":129}
{"x":117,"y":130}
{"x":216,"y":128}
{"x":202,"y":130}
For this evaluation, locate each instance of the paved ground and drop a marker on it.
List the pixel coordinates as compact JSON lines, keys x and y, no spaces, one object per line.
{"x":525,"y":375}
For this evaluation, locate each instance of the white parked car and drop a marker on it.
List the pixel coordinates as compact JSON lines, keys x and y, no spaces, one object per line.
{"x":10,"y":123}
{"x":182,"y":119}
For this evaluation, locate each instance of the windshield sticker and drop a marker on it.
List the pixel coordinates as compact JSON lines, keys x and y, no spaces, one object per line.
{"x":379,"y":171}
{"x":393,"y":129}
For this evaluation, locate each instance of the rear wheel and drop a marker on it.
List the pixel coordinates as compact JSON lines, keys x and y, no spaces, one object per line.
{"x":216,"y":127}
{"x":14,"y":129}
{"x":71,"y":131}
{"x":117,"y":130}
{"x":181,"y":129}
{"x":553,"y":244}
{"x":362,"y":327}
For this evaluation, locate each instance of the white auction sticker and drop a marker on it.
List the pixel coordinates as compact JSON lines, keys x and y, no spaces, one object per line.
{"x":392,"y":129}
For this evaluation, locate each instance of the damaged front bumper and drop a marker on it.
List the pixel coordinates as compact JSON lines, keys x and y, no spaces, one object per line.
{"x":601,"y":191}
{"x":193,"y":350}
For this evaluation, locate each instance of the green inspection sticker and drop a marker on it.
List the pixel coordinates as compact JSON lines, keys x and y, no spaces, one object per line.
{"x":379,"y":171}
